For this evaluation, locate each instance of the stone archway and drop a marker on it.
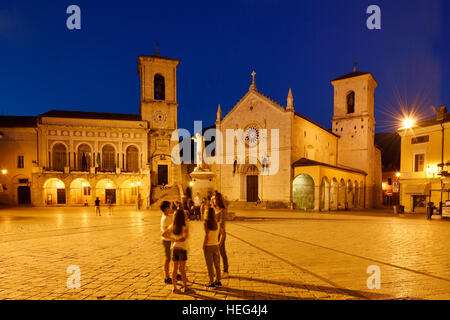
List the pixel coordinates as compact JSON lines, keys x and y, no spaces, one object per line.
{"x":350,"y":194}
{"x":325,"y":195}
{"x":342,"y":193}
{"x":334,"y":194}
{"x":303,"y":192}
{"x":106,"y":190}
{"x":54,"y":192}
{"x":80,"y":191}
{"x":252,"y":189}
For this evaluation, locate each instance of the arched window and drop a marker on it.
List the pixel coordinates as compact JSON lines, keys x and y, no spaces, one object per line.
{"x":351,"y":102}
{"x":84,"y":157}
{"x":132,"y":159}
{"x":160,"y":88}
{"x":109,"y":159}
{"x":59,"y":157}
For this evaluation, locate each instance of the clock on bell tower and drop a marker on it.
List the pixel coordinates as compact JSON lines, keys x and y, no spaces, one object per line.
{"x":158,"y":107}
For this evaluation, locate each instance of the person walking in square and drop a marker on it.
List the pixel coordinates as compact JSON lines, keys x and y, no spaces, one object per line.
{"x":197,"y":205}
{"x":97,"y":206}
{"x":221,"y":213}
{"x":178,"y":233}
{"x":213,"y":239}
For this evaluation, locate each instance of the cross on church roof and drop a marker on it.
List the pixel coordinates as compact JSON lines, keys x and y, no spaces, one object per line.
{"x":156,"y":51}
{"x":253,"y":86}
{"x":355,"y":64}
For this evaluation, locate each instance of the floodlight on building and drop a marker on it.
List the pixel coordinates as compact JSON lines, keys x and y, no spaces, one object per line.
{"x":132,"y":184}
{"x":4,"y":171}
{"x":108,"y":184}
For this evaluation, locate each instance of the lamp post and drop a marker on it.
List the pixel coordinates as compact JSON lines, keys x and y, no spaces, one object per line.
{"x":4,"y":173}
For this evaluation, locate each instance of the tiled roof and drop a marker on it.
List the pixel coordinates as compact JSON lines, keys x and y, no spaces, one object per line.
{"x":91,"y":115}
{"x":304,"y":162}
{"x":433,"y":121}
{"x":17,"y":122}
{"x":351,"y":75}
{"x":315,"y":123}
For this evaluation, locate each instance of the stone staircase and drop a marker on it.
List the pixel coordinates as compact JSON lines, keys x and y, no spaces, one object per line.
{"x":158,"y":195}
{"x":236,"y":205}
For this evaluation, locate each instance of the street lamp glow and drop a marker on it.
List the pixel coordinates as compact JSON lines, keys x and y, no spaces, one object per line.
{"x":408,"y":123}
{"x":132,"y":184}
{"x":4,"y":171}
{"x":108,"y":184}
{"x":398,"y":174}
{"x":191,"y":184}
{"x":138,"y":183}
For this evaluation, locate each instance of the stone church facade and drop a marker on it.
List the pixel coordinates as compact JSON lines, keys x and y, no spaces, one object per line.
{"x":318,"y":168}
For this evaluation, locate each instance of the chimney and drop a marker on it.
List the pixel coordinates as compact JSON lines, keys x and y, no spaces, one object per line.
{"x":441,"y":113}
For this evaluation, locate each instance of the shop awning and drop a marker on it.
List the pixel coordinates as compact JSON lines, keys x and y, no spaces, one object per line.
{"x":420,"y":188}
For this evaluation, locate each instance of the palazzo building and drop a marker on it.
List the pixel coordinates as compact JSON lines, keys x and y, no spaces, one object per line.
{"x":72,"y":157}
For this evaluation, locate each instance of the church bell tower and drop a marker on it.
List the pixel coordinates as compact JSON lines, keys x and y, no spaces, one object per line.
{"x":354,"y":122}
{"x":158,"y":106}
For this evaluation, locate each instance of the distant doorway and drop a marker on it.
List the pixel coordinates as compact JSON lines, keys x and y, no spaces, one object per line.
{"x":24,"y":195}
{"x":252,"y":188}
{"x":163,"y":174}
{"x":61,"y":196}
{"x":419,"y":203}
{"x":110,"y":194}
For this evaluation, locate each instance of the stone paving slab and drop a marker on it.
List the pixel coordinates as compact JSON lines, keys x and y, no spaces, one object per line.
{"x":284,"y":255}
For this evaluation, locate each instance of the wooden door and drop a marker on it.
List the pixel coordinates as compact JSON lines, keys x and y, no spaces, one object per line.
{"x":163,"y":174}
{"x":61,"y":196}
{"x":24,"y":195}
{"x":252,"y":188}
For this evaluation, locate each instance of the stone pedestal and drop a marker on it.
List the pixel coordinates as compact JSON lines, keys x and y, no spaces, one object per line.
{"x":203,"y":182}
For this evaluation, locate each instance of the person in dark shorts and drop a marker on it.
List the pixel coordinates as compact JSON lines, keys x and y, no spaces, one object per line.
{"x":179,"y":234}
{"x":166,"y":221}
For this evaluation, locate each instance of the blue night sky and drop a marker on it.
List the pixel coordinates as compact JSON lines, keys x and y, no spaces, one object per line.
{"x":300,"y":44}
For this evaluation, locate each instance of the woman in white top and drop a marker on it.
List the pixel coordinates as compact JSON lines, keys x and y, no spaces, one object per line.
{"x":179,"y":233}
{"x":211,"y":247}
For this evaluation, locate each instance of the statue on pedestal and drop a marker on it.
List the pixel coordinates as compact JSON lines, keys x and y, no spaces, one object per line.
{"x":198,"y":139}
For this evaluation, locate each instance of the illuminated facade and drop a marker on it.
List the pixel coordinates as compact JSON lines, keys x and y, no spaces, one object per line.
{"x":71,"y":157}
{"x":318,"y":168}
{"x":425,"y":160}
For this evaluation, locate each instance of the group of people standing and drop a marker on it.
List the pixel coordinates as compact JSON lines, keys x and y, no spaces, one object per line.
{"x":175,"y":234}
